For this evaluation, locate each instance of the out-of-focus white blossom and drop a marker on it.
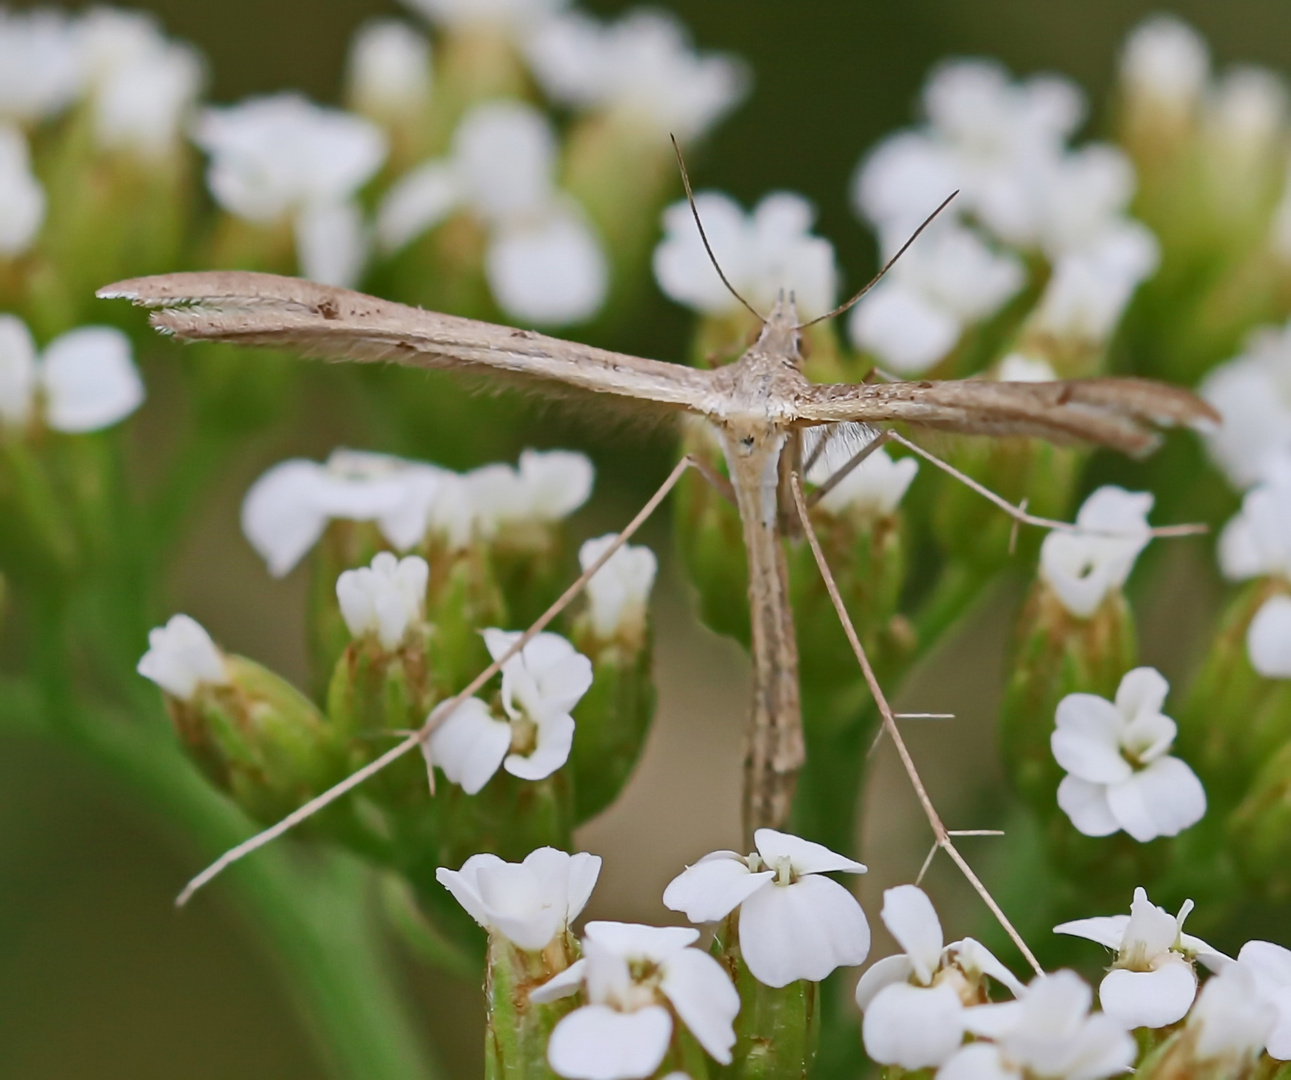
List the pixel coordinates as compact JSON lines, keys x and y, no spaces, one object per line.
{"x":389,"y":70}
{"x":142,"y":85}
{"x":642,"y":65}
{"x":635,"y":978}
{"x":385,"y":599}
{"x":1120,"y":774}
{"x":794,"y":922}
{"x":1252,"y":394}
{"x":85,"y":379}
{"x":544,"y":486}
{"x":1152,"y":982}
{"x":528,"y":902}
{"x":1232,"y":1020}
{"x":762,"y":253}
{"x":1268,"y":638}
{"x":182,"y":658}
{"x":618,"y":592}
{"x":1245,"y":115}
{"x":948,"y":280}
{"x":22,"y":198}
{"x":1091,"y":286}
{"x":1016,"y":367}
{"x":1048,"y":1032}
{"x":544,"y":261}
{"x":511,"y":17}
{"x":540,"y":685}
{"x":1082,"y":568}
{"x":283,"y":158}
{"x":874,"y":488}
{"x":914,"y":1001}
{"x":1270,"y":967}
{"x":286,"y":511}
{"x":1165,"y":66}
{"x":41,"y":67}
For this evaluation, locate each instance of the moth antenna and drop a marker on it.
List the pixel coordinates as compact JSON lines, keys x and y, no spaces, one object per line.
{"x":886,"y":267}
{"x":690,"y":197}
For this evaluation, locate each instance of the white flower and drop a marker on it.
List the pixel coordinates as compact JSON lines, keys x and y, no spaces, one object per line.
{"x":1092,"y":285}
{"x":22,"y":199}
{"x":643,"y":66}
{"x":1019,"y":368}
{"x":762,"y":253}
{"x":794,"y":923}
{"x":1048,"y":1032}
{"x":287,"y":510}
{"x":182,"y":658}
{"x":1152,"y":982}
{"x":40,"y":64}
{"x":545,"y":486}
{"x":1268,"y":638}
{"x":1234,"y":1017}
{"x":635,"y":977}
{"x":1245,"y":114}
{"x":385,"y":599}
{"x":874,"y":488}
{"x":529,"y":902}
{"x":914,"y":1002}
{"x":1270,"y":966}
{"x":1117,"y":757}
{"x":1083,"y":568}
{"x":1165,"y":64}
{"x":86,"y":377}
{"x":540,"y":686}
{"x":618,"y":592}
{"x":1252,"y":394}
{"x":945,"y":282}
{"x":389,"y":69}
{"x":507,"y":16}
{"x":283,"y":158}
{"x":142,"y":86}
{"x":544,"y":261}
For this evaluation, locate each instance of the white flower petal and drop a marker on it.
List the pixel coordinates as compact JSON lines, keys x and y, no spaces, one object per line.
{"x":1161,"y":800}
{"x":1268,"y":638}
{"x":22,"y":198}
{"x":1087,"y":806}
{"x":881,"y":973}
{"x":415,"y":203}
{"x":1151,"y":932}
{"x":979,"y":1061}
{"x":714,"y":887}
{"x":554,"y":483}
{"x":907,"y":332}
{"x":1142,"y":691}
{"x":17,"y":371}
{"x":518,"y":905}
{"x":470,"y":745}
{"x":657,"y":943}
{"x":181,"y":658}
{"x":388,"y":69}
{"x":705,"y":999}
{"x":802,"y":931}
{"x":89,"y":379}
{"x":1086,"y":741}
{"x":1150,"y":999}
{"x":805,"y":856}
{"x":910,"y":916}
{"x":913,"y":1026}
{"x":462,"y":884}
{"x":1107,"y":930}
{"x":555,"y":740}
{"x":562,"y":985}
{"x":282,"y":516}
{"x":551,"y":272}
{"x":617,"y":593}
{"x":332,"y":243}
{"x":596,"y":1042}
{"x":974,"y":958}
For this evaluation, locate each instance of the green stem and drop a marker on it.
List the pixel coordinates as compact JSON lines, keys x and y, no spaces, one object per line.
{"x":314,"y":917}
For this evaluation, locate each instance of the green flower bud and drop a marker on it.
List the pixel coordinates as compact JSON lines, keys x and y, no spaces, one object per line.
{"x":614,"y":633}
{"x":254,"y":734}
{"x":1235,"y":719}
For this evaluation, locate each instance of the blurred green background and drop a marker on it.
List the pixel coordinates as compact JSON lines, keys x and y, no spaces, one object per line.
{"x":99,"y":976}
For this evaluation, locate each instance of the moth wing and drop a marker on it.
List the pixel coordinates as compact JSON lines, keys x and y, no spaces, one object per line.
{"x":245,"y":308}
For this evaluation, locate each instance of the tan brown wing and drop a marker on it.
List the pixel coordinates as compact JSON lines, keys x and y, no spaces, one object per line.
{"x":321,"y":320}
{"x":1120,"y":413}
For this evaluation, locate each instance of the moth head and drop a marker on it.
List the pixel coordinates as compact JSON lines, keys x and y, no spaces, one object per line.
{"x":781,"y":334}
